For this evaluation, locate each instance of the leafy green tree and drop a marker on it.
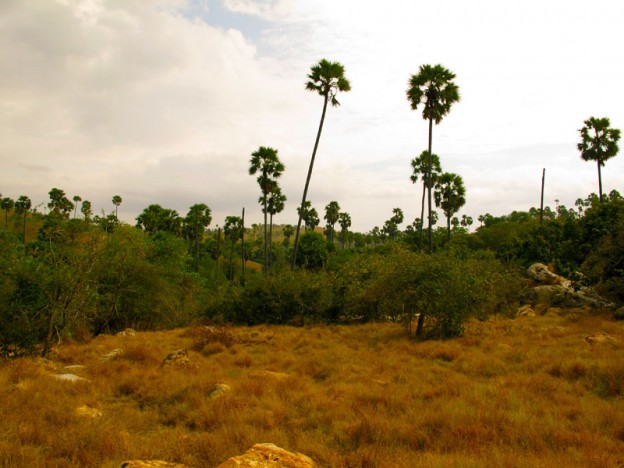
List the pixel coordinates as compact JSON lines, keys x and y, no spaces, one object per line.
{"x":309,"y":216}
{"x":391,"y":226}
{"x":22,"y":206}
{"x":313,"y":251}
{"x":86,"y":210}
{"x":116,"y":201}
{"x":233,"y":231}
{"x":420,"y":168}
{"x":433,"y":87}
{"x":76,"y":199}
{"x":332,"y":213}
{"x":59,"y":204}
{"x":197,"y":220}
{"x":327,"y":79}
{"x":265,"y":161}
{"x":155,"y":218}
{"x":598,"y":143}
{"x":450,"y":195}
{"x":344,"y":219}
{"x":7,"y":205}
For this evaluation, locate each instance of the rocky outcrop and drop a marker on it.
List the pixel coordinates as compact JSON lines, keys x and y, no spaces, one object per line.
{"x":269,"y":455}
{"x":551,"y":290}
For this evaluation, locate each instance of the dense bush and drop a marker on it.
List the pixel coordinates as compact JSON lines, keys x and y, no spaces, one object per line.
{"x":275,"y":298}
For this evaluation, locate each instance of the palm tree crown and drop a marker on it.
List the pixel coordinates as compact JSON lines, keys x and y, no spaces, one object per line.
{"x":433,"y":86}
{"x":327,"y":78}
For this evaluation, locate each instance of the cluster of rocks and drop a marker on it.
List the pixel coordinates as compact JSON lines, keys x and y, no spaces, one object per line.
{"x":547,"y":289}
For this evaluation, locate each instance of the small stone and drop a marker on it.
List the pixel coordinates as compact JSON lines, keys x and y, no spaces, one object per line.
{"x":179,"y":358}
{"x":69,"y":377}
{"x":75,"y":367}
{"x":219,"y":390}
{"x":126,"y":332}
{"x":526,"y":311}
{"x":600,"y":337}
{"x":112,"y":355}
{"x":88,"y":412}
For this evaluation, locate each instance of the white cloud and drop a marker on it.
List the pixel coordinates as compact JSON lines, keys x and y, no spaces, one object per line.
{"x":139,"y":98}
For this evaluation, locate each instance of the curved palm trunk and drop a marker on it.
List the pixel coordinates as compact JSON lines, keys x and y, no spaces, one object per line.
{"x":429,"y":179}
{"x":599,"y":181}
{"x":305,"y":190}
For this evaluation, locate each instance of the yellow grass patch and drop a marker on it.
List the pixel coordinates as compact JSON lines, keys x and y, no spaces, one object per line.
{"x":525,"y":392}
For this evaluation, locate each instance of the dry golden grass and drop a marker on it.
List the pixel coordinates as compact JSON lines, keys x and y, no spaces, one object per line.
{"x":523,"y":392}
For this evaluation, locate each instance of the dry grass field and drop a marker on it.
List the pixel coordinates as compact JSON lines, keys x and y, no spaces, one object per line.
{"x":518,"y":392}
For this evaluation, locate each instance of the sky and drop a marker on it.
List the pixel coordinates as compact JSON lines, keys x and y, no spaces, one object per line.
{"x":163,"y":101}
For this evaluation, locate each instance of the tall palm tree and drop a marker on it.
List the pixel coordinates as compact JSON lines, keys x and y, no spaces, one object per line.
{"x":275,"y":205}
{"x":116,"y":201}
{"x":197,"y":220}
{"x":433,"y":87}
{"x":599,"y":143}
{"x":7,"y":205}
{"x":265,"y":161}
{"x":232,"y":230}
{"x":332,"y":212}
{"x":76,"y":199}
{"x":327,"y":79}
{"x":420,"y":164}
{"x":345,"y":223}
{"x":450,"y":195}
{"x":22,"y":206}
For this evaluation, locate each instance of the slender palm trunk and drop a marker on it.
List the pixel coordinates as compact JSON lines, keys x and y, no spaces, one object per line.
{"x":266,"y":251}
{"x":270,"y":237}
{"x":305,"y":190}
{"x":24,"y":235}
{"x":599,"y":182}
{"x":448,"y":227}
{"x":243,"y":247}
{"x":422,"y":212}
{"x":430,"y":178}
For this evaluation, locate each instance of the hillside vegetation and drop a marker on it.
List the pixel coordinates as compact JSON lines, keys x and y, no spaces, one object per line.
{"x":529,"y":391}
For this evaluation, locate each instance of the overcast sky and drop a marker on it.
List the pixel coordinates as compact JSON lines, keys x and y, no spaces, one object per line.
{"x":163,"y":101}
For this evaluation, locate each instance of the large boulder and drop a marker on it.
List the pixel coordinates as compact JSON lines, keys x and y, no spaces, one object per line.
{"x":540,"y":273}
{"x":269,"y":455}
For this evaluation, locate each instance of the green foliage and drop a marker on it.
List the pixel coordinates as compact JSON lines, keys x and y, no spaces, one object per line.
{"x":443,"y":289}
{"x":312,"y":251}
{"x":276,"y":298}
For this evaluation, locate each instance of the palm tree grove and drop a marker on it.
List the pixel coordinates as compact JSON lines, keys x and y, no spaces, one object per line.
{"x":187,"y":340}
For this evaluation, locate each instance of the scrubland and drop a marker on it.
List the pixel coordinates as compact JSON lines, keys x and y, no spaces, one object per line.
{"x":520,"y":392}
